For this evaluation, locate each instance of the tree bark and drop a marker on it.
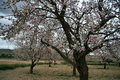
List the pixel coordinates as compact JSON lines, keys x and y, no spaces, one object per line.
{"x":81,"y":65}
{"x":50,"y":63}
{"x":104,"y":65}
{"x":82,"y":68}
{"x":74,"y":70}
{"x":31,"y":68}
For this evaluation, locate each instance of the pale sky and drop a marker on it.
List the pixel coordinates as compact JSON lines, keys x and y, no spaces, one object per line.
{"x":4,"y":44}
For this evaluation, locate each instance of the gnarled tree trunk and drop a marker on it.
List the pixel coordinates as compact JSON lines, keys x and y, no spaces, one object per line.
{"x":82,"y":68}
{"x":81,"y":65}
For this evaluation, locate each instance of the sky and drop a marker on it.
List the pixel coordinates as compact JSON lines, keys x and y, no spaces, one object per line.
{"x":5,"y":44}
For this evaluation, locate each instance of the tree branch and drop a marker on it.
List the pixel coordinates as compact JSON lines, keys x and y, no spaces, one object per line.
{"x":101,"y":45}
{"x":100,"y":5}
{"x":60,"y":52}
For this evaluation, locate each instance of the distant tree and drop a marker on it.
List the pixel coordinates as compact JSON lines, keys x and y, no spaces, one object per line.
{"x":6,"y":53}
{"x":20,"y":53}
{"x":29,"y":47}
{"x":105,"y":56}
{"x":114,"y":50}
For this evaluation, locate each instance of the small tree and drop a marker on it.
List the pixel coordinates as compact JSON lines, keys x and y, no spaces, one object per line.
{"x":114,"y":50}
{"x":29,"y":47}
{"x":105,"y":56}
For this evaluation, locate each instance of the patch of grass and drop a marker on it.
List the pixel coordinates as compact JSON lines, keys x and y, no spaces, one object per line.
{"x":42,"y":63}
{"x":12,"y":66}
{"x":64,"y":63}
{"x":98,"y":63}
{"x":77,"y":76}
{"x":60,"y":72}
{"x":92,"y":63}
{"x":117,"y":77}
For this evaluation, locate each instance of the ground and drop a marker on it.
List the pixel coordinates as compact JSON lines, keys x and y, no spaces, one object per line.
{"x":59,"y":72}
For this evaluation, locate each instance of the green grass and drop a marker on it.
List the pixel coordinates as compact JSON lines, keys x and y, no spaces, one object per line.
{"x":93,"y":63}
{"x":60,"y":72}
{"x":14,"y":66}
{"x":98,"y":63}
{"x":64,"y":63}
{"x":117,"y":77}
{"x":43,"y":63}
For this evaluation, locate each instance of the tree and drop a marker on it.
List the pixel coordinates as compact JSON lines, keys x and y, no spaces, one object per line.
{"x":85,"y":28}
{"x":105,"y":56}
{"x":114,"y":50}
{"x":29,"y":47}
{"x":21,"y":53}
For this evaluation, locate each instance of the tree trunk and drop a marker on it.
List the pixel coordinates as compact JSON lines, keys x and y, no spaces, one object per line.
{"x":74,"y":70}
{"x":82,"y":68}
{"x":55,"y":62}
{"x":31,"y":68}
{"x":104,"y":65}
{"x":50,"y":63}
{"x":81,"y":65}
